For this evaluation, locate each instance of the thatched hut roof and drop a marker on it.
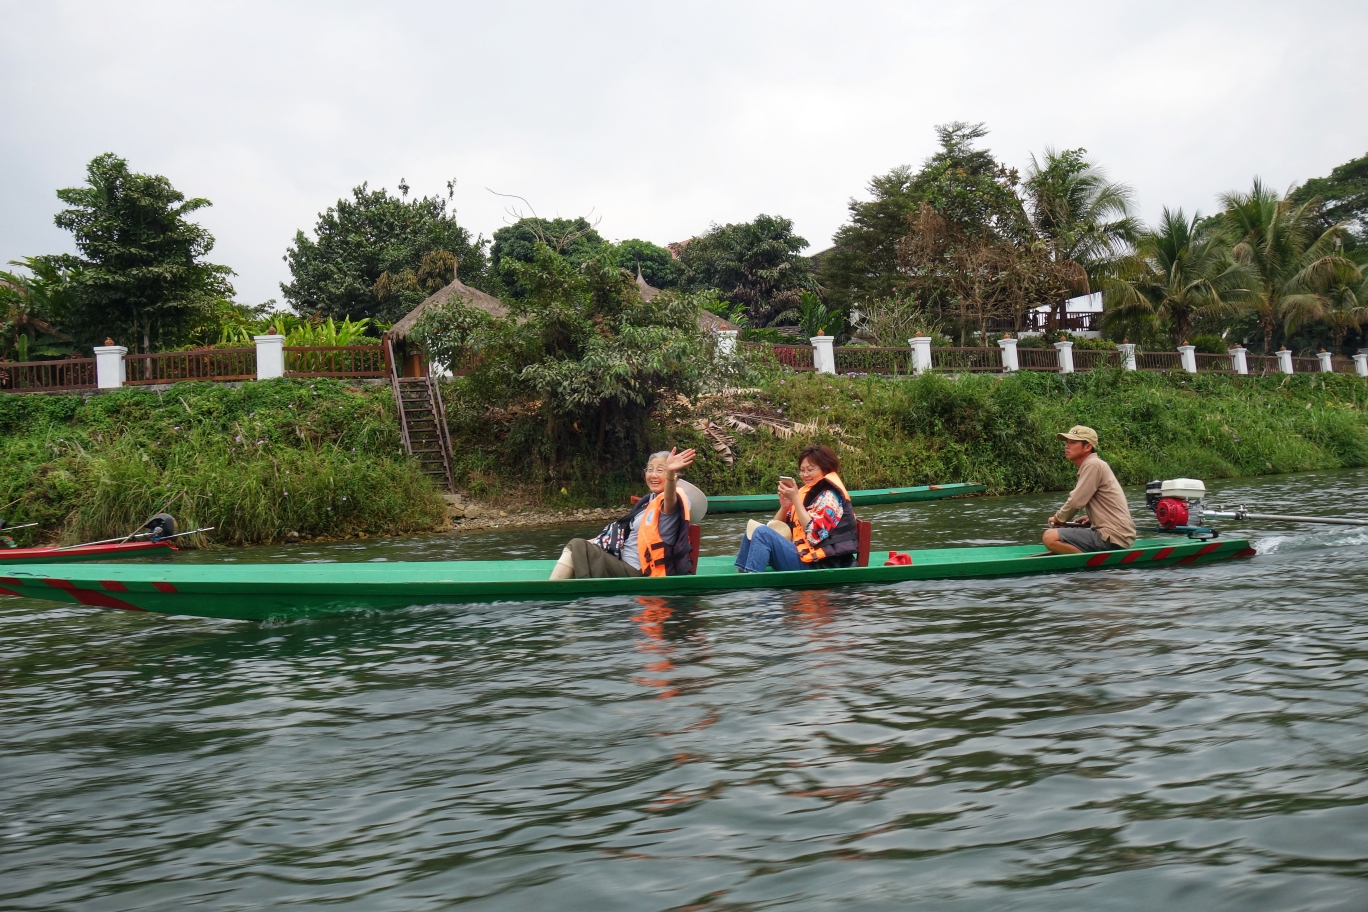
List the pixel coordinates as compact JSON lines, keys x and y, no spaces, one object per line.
{"x":648,"y":292}
{"x":472,"y":297}
{"x":711,"y":322}
{"x":707,"y":321}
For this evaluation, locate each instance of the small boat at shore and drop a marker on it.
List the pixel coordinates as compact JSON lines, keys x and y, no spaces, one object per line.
{"x":259,"y":592}
{"x":756,"y":503}
{"x":111,"y":551}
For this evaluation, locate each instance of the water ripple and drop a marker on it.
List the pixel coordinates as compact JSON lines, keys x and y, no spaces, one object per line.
{"x":1135,"y":739}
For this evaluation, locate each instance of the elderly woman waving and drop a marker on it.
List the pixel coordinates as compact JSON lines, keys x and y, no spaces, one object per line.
{"x":815,"y":526}
{"x":651,"y":540}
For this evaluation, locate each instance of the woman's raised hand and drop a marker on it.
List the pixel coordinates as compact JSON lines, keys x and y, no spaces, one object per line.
{"x":678,"y":461}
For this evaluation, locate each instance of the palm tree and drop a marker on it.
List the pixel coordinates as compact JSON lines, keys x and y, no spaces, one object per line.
{"x":1180,"y":271}
{"x":1342,"y":307}
{"x":1086,"y":221}
{"x":1292,"y":262}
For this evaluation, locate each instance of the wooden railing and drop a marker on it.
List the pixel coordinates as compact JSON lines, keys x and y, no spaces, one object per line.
{"x":1343,"y":365}
{"x":1158,"y":361}
{"x":966,"y":359}
{"x":1213,"y":364}
{"x":1088,"y":359}
{"x":859,"y":359}
{"x":1037,"y":359}
{"x":1306,"y":366}
{"x":201,"y":364}
{"x":40,"y":376}
{"x":794,"y":357}
{"x":1259,"y":365}
{"x":335,"y":361}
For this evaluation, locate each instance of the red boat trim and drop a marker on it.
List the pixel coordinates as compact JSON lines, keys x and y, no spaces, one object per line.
{"x":4,"y":591}
{"x":1162,"y":553}
{"x":114,"y":585}
{"x":1098,"y":560}
{"x":90,"y":597}
{"x":1131,"y":557}
{"x":1206,"y":549}
{"x":164,"y":587}
{"x":1246,"y":552}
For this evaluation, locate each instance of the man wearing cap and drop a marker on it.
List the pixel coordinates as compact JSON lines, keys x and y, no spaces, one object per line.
{"x":1107,"y":525}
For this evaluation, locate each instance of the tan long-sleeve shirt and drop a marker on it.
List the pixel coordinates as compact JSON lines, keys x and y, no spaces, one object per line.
{"x":1099,"y":494}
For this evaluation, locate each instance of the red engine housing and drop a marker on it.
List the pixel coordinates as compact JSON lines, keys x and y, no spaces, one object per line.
{"x":1171,"y":512}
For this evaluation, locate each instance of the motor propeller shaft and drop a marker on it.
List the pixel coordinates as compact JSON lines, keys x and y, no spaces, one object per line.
{"x":1281,"y":517}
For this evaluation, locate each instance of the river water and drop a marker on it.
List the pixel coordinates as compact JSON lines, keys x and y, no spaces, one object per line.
{"x":1191,"y":737}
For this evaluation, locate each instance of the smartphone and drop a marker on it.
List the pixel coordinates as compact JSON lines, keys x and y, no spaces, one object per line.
{"x":789,"y":479}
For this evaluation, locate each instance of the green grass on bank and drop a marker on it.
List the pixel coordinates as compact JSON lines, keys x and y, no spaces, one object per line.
{"x":992,"y":429}
{"x":256,"y":461}
{"x":999,"y":431}
{"x":324,"y":458}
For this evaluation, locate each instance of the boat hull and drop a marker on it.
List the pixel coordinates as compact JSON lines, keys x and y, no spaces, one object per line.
{"x":756,"y":503}
{"x":11,"y":556}
{"x":268,"y":591}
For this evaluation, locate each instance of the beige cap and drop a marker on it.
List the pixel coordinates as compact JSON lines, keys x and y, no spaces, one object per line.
{"x":1079,"y":432}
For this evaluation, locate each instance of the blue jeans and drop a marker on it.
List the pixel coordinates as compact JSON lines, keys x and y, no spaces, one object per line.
{"x":765,"y":548}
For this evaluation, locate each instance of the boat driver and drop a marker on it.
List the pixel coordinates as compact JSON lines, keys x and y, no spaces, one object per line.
{"x":1107,"y":525}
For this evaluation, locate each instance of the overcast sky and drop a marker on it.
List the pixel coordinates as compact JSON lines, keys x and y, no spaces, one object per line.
{"x":658,"y":118}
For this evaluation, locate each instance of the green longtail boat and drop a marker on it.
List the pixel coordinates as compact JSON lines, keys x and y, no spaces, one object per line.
{"x":260,"y":592}
{"x":756,"y":503}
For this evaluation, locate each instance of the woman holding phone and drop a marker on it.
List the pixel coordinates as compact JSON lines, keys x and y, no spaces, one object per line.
{"x":814,"y":527}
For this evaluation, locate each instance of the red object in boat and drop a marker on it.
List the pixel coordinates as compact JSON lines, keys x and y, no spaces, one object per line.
{"x":1171,"y":512}
{"x":89,"y":552}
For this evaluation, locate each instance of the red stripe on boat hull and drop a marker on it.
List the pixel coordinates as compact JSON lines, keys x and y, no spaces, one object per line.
{"x":90,"y":597}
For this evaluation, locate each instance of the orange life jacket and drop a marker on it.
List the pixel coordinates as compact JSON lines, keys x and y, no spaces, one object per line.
{"x":653,"y":551}
{"x":842,"y":540}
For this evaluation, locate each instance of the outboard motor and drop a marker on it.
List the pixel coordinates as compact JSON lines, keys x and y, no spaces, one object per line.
{"x":1177,"y":503}
{"x":163,"y":525}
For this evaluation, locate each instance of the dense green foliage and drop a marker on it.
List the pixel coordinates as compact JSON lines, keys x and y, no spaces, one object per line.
{"x":657,"y":265}
{"x":974,"y":242}
{"x":575,"y":240}
{"x":31,"y":307}
{"x":1344,"y":195}
{"x":862,"y":265}
{"x":1182,"y":271}
{"x":755,"y":264}
{"x":379,"y":256}
{"x":139,"y":275}
{"x":580,"y":350}
{"x":256,"y":462}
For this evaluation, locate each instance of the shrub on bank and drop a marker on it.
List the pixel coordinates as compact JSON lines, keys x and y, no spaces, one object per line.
{"x":256,"y":461}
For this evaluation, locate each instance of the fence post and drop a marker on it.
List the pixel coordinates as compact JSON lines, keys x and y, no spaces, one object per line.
{"x":1361,"y":364}
{"x":1327,"y":366}
{"x":726,"y":341}
{"x":1065,"y":350}
{"x":823,"y":358}
{"x":110,"y":370}
{"x":1239,"y":359}
{"x":1127,"y":350}
{"x":270,"y":357}
{"x":1284,"y":360}
{"x":1187,"y":355}
{"x":1010,"y":363}
{"x":921,"y":353}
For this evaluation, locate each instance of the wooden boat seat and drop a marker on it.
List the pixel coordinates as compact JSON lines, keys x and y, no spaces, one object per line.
{"x":863,"y":528}
{"x":695,"y":542}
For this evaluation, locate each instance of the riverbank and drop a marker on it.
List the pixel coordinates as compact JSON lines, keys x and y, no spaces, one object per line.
{"x":991,"y":429}
{"x":322,"y":460}
{"x":318,"y":458}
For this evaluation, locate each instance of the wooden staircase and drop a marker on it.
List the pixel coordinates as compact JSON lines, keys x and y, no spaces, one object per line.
{"x":422,"y":422}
